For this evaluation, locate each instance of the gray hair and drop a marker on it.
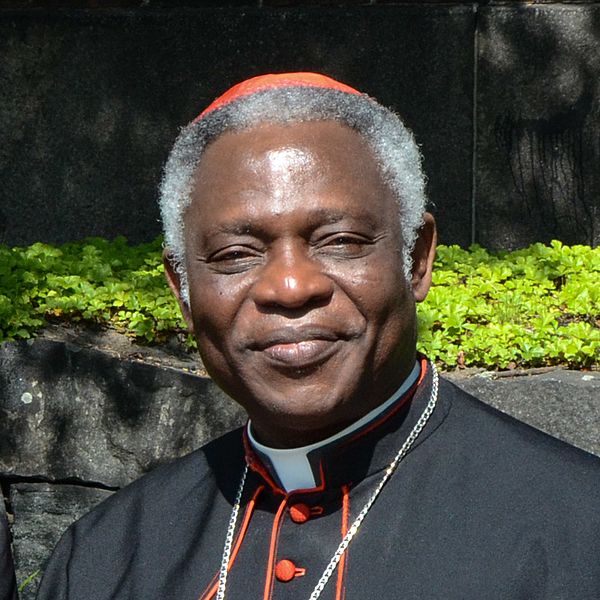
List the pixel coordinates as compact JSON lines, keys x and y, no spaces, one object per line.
{"x":392,"y":144}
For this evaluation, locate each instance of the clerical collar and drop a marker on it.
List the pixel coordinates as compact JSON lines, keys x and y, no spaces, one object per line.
{"x":291,"y":465}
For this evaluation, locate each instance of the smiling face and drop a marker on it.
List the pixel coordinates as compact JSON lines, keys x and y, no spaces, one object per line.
{"x":298,"y":297}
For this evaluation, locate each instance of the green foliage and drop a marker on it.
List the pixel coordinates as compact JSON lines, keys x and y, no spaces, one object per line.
{"x":534,"y":307}
{"x":529,"y":308}
{"x":96,"y":281}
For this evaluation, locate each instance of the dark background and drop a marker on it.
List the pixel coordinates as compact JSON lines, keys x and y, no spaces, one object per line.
{"x":503,"y":98}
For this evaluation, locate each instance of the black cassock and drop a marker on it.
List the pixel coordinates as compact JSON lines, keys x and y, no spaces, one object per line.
{"x":8,"y":586}
{"x":482,"y":508}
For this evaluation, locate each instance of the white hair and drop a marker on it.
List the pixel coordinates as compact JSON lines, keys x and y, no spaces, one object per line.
{"x":392,"y":144}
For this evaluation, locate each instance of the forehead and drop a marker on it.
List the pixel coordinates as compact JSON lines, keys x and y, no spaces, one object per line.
{"x":338,"y":147}
{"x":326,"y":163}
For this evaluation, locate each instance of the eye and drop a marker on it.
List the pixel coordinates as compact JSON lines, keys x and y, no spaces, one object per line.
{"x":229,"y":255}
{"x":343,"y":240}
{"x":234,"y":259}
{"x":344,"y":245}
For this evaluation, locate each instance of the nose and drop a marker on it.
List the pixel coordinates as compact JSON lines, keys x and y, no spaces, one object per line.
{"x":291,"y":279}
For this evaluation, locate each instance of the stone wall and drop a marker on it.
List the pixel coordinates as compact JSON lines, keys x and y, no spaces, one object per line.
{"x":78,"y":422}
{"x":503,"y":98}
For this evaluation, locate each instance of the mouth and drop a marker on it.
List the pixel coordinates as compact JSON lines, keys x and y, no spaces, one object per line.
{"x":298,"y":347}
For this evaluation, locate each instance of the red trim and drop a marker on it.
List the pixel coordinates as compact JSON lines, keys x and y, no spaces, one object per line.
{"x":211,"y":589}
{"x":213,"y":586}
{"x":273,"y":549}
{"x":340,"y":590}
{"x":424,"y":369}
{"x":254,"y":462}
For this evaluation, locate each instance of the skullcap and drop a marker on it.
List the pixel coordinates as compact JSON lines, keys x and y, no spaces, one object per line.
{"x":275,"y":81}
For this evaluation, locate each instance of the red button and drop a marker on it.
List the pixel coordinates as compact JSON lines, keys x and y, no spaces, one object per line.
{"x":285,"y":570}
{"x":299,"y":513}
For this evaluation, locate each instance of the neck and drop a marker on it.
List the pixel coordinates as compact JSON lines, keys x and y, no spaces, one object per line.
{"x":291,"y":465}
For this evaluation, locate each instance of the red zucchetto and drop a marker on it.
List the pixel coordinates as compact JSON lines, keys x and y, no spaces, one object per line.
{"x":274,"y":81}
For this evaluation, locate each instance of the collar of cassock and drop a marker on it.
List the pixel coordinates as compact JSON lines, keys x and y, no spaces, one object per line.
{"x":363,"y":448}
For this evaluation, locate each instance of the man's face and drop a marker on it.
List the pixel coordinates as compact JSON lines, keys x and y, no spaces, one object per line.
{"x":298,"y":298}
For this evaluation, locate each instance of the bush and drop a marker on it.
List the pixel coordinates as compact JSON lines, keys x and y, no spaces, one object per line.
{"x":95,"y":281}
{"x":534,"y":307}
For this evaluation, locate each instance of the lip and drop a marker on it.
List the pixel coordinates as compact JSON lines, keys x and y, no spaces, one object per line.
{"x":298,"y":347}
{"x":301,"y":355}
{"x":294,"y":335}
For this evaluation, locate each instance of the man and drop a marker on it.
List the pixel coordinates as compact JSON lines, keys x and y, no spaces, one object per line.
{"x":297,"y":244}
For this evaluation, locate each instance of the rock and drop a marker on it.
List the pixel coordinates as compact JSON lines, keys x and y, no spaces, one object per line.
{"x":538,"y":106}
{"x":565,"y":404}
{"x":81,"y":414}
{"x":42,"y":513}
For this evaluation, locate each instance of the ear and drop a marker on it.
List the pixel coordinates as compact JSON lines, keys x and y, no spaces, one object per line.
{"x":423,"y":256}
{"x":174,"y":281}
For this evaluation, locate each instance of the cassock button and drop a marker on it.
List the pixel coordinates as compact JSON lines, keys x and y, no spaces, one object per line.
{"x":286,"y":570}
{"x":300,"y":512}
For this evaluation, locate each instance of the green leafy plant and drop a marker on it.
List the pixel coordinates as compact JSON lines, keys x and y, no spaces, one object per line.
{"x":528,"y":308}
{"x":98,"y":282}
{"x":534,"y":307}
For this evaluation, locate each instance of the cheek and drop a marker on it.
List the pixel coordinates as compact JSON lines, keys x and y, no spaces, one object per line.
{"x":216,"y":308}
{"x":377,"y":290}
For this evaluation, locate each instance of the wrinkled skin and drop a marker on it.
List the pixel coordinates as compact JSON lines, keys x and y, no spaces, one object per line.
{"x":298,"y":298}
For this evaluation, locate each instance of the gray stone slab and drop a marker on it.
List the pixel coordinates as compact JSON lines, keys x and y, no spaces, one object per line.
{"x":91,"y":100}
{"x":538,"y":106}
{"x":42,"y":514}
{"x":73,"y":413}
{"x":565,"y":404}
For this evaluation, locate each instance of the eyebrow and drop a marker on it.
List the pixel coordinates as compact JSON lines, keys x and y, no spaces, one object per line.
{"x":318,"y":217}
{"x":234,"y":228}
{"x":331,"y":217}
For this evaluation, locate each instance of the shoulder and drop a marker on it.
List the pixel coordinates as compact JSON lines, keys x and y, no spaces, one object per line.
{"x":514,"y":450}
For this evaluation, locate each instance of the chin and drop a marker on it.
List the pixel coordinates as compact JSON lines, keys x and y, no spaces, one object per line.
{"x":310,"y":411}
